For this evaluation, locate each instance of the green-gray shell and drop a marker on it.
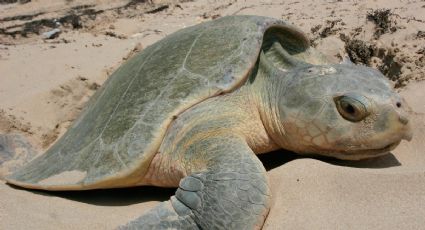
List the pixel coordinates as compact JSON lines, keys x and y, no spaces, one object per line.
{"x":113,"y":141}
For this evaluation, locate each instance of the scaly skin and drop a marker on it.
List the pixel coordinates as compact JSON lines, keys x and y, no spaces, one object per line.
{"x":300,"y":110}
{"x":117,"y":136}
{"x":177,"y":115}
{"x":231,"y":192}
{"x":212,"y":145}
{"x":234,"y":114}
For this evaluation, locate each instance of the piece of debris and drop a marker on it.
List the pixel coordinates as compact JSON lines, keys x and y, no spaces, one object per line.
{"x":114,"y":35}
{"x":329,"y":28}
{"x":97,"y":45}
{"x":390,"y":67}
{"x":208,"y":15}
{"x":73,"y":20}
{"x":37,"y":26}
{"x":383,"y":58}
{"x":420,"y":34}
{"x":381,"y":19}
{"x":323,"y":31}
{"x":82,"y":7}
{"x":359,"y":51}
{"x":356,"y":31}
{"x":133,"y":3}
{"x":82,"y":78}
{"x":158,"y":9}
{"x":24,"y":17}
{"x":14,"y":1}
{"x":316,"y":28}
{"x":51,"y":34}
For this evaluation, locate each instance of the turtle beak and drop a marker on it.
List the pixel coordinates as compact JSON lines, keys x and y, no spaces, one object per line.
{"x":403,"y":118}
{"x":408,"y":134}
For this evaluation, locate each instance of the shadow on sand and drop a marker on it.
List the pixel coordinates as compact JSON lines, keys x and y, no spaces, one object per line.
{"x":280,"y":157}
{"x":129,"y":196}
{"x":110,"y":197}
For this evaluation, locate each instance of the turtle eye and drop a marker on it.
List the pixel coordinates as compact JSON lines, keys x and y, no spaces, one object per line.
{"x":352,"y":107}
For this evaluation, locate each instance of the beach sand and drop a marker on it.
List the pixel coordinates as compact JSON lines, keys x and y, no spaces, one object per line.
{"x":45,"y":83}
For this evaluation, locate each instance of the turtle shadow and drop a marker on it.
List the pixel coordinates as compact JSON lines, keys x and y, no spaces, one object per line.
{"x":385,"y":161}
{"x":280,"y":157}
{"x":134,"y":195}
{"x":277,"y":158}
{"x":119,"y":196}
{"x":110,"y":197}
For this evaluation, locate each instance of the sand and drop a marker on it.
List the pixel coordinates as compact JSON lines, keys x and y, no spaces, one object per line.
{"x":44,"y":84}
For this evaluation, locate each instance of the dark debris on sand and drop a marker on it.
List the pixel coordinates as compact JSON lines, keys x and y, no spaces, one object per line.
{"x":74,"y":18}
{"x":13,"y":1}
{"x":362,"y":52}
{"x":71,"y":20}
{"x":331,"y":27}
{"x":359,"y":51}
{"x":420,"y":34}
{"x":24,"y":17}
{"x":381,"y":19}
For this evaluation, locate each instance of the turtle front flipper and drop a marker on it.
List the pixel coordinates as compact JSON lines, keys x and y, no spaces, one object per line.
{"x":231,"y":193}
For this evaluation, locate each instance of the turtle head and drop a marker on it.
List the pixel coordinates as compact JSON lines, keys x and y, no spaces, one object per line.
{"x":342,"y":111}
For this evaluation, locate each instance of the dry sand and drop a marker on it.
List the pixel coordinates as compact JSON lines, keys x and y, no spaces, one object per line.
{"x":44,"y":84}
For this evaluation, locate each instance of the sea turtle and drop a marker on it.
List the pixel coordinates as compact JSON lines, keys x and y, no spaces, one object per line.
{"x":192,"y":110}
{"x":15,"y":151}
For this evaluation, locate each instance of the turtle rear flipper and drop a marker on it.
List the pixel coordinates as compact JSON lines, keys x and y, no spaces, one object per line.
{"x":231,"y":193}
{"x":15,"y":151}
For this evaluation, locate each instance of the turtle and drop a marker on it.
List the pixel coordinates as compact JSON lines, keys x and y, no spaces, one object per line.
{"x":193,"y":110}
{"x":15,"y":151}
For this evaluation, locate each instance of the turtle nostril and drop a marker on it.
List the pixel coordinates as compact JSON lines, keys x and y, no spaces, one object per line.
{"x":403,"y":120}
{"x":398,"y":104}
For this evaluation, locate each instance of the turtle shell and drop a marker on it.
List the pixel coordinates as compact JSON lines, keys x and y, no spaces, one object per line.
{"x":117,"y":135}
